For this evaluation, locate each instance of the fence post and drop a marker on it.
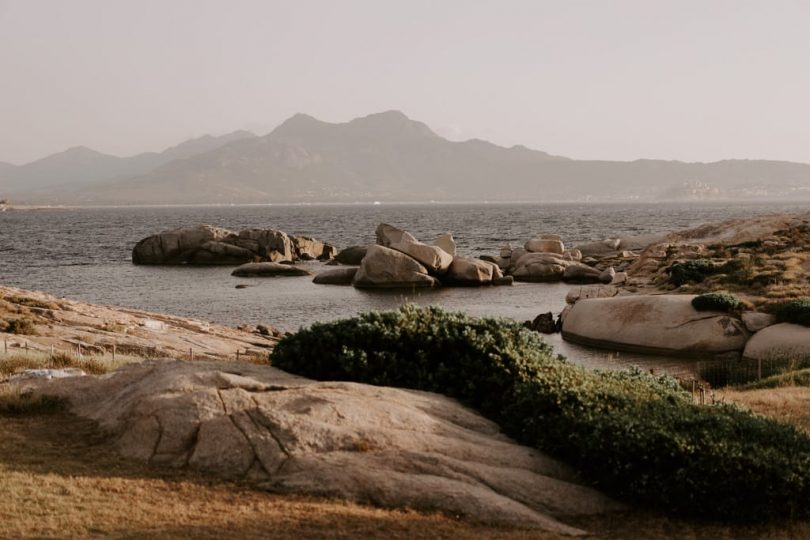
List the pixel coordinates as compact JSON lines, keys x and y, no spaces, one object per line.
{"x":5,"y":345}
{"x":191,"y":354}
{"x":759,"y":368}
{"x":113,"y":358}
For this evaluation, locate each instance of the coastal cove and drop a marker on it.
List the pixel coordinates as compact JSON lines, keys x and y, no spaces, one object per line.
{"x":85,"y":253}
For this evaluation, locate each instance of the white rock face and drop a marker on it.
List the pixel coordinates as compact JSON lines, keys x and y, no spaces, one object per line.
{"x":447,"y":243}
{"x":386,"y":268}
{"x":434,"y":258}
{"x":653,"y":324}
{"x":779,"y":342}
{"x":390,"y":447}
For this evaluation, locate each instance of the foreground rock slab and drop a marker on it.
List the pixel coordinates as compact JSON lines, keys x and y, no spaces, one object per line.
{"x":653,"y":324}
{"x":390,"y":447}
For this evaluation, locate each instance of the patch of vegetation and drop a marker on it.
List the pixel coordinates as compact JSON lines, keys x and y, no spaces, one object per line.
{"x":795,"y":312}
{"x":22,"y":326}
{"x":792,"y":378}
{"x":14,"y":402}
{"x":717,"y":301}
{"x":681,"y":273}
{"x":27,"y":301}
{"x":636,"y":436}
{"x":20,"y":362}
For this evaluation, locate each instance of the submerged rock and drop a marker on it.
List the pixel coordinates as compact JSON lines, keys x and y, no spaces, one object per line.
{"x":338,"y":276}
{"x":268,"y":269}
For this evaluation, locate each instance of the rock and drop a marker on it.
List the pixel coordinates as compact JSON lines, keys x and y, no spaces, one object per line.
{"x":386,"y":268}
{"x":653,"y":324}
{"x":241,"y":286}
{"x":307,"y":249}
{"x":263,"y":330}
{"x":581,"y":273}
{"x":540,"y":245}
{"x":271,"y":245}
{"x":607,"y":275}
{"x":173,"y":247}
{"x":517,"y":254}
{"x":338,"y":276}
{"x":289,"y":435}
{"x":268,"y":269}
{"x":447,"y":243}
{"x":506,"y":252}
{"x":620,"y":278}
{"x":543,"y":323}
{"x":219,"y":253}
{"x":754,"y":322}
{"x":539,"y":267}
{"x":465,"y":271}
{"x":152,"y":324}
{"x":388,"y":234}
{"x":572,"y":255}
{"x":47,"y":374}
{"x":434,"y":258}
{"x":351,"y":256}
{"x":503,"y":280}
{"x":781,"y":342}
{"x":489,"y":258}
{"x":590,"y":291}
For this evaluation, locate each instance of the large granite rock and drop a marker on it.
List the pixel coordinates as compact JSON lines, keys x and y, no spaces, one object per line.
{"x":386,"y":268}
{"x":206,"y":245}
{"x":657,"y":324}
{"x":268,"y":269}
{"x":545,"y":245}
{"x":590,"y":291}
{"x":338,"y":276}
{"x":175,"y":246}
{"x":389,"y":447}
{"x":307,"y":249}
{"x":539,"y":267}
{"x":434,"y":258}
{"x":447,"y":243}
{"x":351,"y":256}
{"x":782,"y":341}
{"x":388,"y":234}
{"x":470,"y":272}
{"x":576,"y":272}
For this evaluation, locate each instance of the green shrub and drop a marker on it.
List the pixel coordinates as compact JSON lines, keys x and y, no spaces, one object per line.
{"x":716,"y":301}
{"x":22,"y":326}
{"x":681,"y":273}
{"x":792,"y":378}
{"x":796,"y":312}
{"x":634,"y":435}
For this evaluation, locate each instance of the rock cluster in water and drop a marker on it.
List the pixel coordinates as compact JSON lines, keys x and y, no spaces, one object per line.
{"x":207,"y":245}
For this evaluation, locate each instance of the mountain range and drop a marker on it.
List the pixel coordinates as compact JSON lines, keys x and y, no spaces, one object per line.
{"x":380,"y":157}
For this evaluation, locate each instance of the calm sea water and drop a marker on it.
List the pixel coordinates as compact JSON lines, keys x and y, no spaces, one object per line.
{"x":85,"y":253}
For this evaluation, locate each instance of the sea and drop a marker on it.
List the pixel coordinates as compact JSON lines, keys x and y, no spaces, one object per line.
{"x":85,"y":254}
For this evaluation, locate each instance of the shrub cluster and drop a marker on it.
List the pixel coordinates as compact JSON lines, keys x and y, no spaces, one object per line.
{"x":23,"y":326}
{"x":681,"y":273}
{"x":795,"y":311}
{"x":634,"y":435}
{"x":716,"y":301}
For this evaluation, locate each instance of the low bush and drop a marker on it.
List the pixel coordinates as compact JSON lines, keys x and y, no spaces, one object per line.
{"x":13,"y":402}
{"x":681,"y":273}
{"x":716,"y":301}
{"x":634,"y":435}
{"x":800,"y":377}
{"x":22,"y":326}
{"x":795,"y":311}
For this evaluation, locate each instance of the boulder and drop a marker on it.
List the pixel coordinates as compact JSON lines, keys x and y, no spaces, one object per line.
{"x":653,"y":324}
{"x":590,"y":291}
{"x":607,"y":275}
{"x":268,"y":269}
{"x":434,"y":258}
{"x":539,"y":267}
{"x":338,"y":276}
{"x":216,"y":253}
{"x":392,"y":447}
{"x":174,"y":246}
{"x":782,"y":342}
{"x":755,"y":321}
{"x":351,"y":256}
{"x":503,"y":280}
{"x":572,"y":255}
{"x":307,"y":249}
{"x":386,"y":268}
{"x":271,"y":245}
{"x":466,"y":271}
{"x":620,"y":278}
{"x":388,"y":234}
{"x":543,"y":323}
{"x":540,"y":245}
{"x":447,"y":243}
{"x":581,"y":273}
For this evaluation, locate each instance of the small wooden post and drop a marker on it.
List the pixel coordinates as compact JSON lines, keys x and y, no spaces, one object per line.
{"x":237,"y":355}
{"x":52,"y":350}
{"x":113,"y":352}
{"x":5,"y":345}
{"x":759,"y":368}
{"x":191,"y":354}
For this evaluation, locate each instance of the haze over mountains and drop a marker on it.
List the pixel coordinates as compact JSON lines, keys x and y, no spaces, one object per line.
{"x":380,"y":157}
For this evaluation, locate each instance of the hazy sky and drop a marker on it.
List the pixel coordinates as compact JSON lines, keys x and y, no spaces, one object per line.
{"x":692,"y":80}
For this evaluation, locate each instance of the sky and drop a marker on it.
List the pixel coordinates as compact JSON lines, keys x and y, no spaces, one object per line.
{"x":620,"y":80}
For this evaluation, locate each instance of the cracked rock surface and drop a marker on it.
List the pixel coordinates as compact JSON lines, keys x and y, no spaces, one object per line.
{"x":286,"y":434}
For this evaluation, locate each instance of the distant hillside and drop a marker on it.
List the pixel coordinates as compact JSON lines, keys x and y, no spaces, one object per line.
{"x":389,"y":157}
{"x":80,"y":166}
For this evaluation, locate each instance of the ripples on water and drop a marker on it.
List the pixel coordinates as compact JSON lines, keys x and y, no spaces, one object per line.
{"x":85,"y":254}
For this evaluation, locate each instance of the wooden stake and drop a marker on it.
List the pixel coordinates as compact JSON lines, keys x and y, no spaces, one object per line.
{"x":113,"y":352}
{"x":191,"y":354}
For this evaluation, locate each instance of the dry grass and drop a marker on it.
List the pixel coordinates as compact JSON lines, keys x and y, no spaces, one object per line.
{"x":94,"y":365}
{"x":789,"y":404}
{"x":15,"y":402}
